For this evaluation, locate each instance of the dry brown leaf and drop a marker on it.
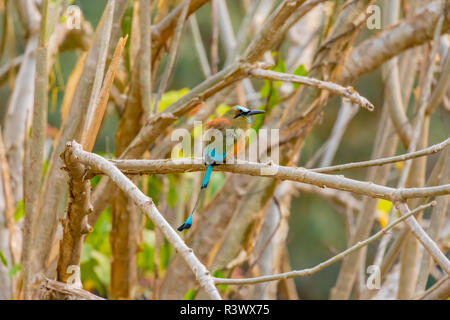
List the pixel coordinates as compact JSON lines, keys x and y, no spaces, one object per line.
{"x":71,"y":86}
{"x":90,"y":135}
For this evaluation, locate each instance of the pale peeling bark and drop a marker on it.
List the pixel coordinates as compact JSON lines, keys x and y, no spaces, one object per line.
{"x":35,"y":150}
{"x":20,"y":106}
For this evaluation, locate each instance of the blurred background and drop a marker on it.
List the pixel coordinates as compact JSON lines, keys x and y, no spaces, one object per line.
{"x":316,"y":228}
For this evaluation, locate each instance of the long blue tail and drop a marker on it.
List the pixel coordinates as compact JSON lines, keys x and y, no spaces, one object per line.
{"x":188,"y":223}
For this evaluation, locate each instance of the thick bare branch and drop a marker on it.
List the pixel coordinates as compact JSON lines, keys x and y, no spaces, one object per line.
{"x":75,"y":226}
{"x":55,"y":290}
{"x":274,"y":171}
{"x":413,"y":31}
{"x":148,"y":207}
{"x":35,"y":152}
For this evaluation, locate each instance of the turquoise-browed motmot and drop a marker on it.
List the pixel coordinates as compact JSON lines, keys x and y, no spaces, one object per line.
{"x":231,"y":125}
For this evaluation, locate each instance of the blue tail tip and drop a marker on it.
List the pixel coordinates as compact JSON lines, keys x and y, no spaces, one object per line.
{"x":184,"y":226}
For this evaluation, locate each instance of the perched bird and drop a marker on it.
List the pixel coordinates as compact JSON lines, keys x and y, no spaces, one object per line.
{"x":236,"y":118}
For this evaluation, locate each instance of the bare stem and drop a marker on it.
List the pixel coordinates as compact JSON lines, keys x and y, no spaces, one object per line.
{"x":320,"y":266}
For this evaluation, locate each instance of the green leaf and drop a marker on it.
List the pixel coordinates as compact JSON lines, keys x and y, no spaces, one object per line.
{"x":12,"y":272}
{"x":94,"y":181}
{"x":258,"y":121}
{"x":216,"y":182}
{"x":99,"y":238}
{"x":3,"y":259}
{"x":300,"y":71}
{"x":44,"y":168}
{"x":86,"y":253}
{"x":19,"y":211}
{"x":165,"y":251}
{"x":103,"y":267}
{"x":280,"y":67}
{"x":265,"y":90}
{"x":154,"y":187}
{"x":146,"y":254}
{"x":222,"y":108}
{"x":170,"y":97}
{"x":220,"y":274}
{"x":190,"y":294}
{"x":273,"y":100}
{"x":172,"y":193}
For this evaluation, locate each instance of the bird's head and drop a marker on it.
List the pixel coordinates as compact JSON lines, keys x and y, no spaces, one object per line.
{"x":236,"y":117}
{"x":240,"y":111}
{"x":241,"y":116}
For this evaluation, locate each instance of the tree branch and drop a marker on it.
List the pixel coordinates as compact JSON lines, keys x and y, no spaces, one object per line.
{"x":423,"y":237}
{"x":320,"y":266}
{"x":382,"y":161}
{"x":348,"y":92}
{"x":271,"y":170}
{"x":413,"y":31}
{"x":75,"y":225}
{"x":146,"y":205}
{"x":55,"y":290}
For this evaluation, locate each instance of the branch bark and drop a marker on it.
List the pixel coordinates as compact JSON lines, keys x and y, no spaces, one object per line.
{"x":148,"y":207}
{"x":55,"y":290}
{"x":348,"y":93}
{"x":413,"y":31}
{"x":274,"y":171}
{"x":75,"y":225}
{"x":423,"y":237}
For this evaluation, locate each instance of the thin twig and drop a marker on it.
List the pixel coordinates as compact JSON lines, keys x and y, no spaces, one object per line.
{"x":379,"y":162}
{"x":320,"y":266}
{"x":172,"y":55}
{"x":423,"y":237}
{"x":346,"y":113}
{"x":203,"y":58}
{"x":439,"y":291}
{"x":348,"y":93}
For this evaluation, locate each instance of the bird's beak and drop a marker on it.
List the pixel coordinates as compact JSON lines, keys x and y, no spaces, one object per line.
{"x":253,"y":112}
{"x":249,"y":113}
